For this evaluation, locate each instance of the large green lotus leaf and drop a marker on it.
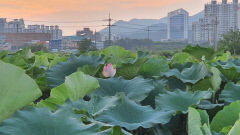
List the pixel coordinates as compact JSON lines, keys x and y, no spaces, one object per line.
{"x":160,"y":130}
{"x":198,"y":52}
{"x":236,"y":129}
{"x":215,"y":133}
{"x":207,"y":105}
{"x":154,"y":67}
{"x":226,"y":117}
{"x":198,"y":122}
{"x":3,"y":54}
{"x":180,"y":100}
{"x":131,"y":69}
{"x":182,"y":58}
{"x":16,"y":90}
{"x":115,"y":131}
{"x":177,"y":125}
{"x":17,"y":61}
{"x":159,"y":88}
{"x":95,"y":106}
{"x":136,"y":89}
{"x":41,"y":60}
{"x":216,"y":79}
{"x":117,"y":55}
{"x":90,"y":70}
{"x":130,"y":115}
{"x":39,"y":75}
{"x":213,"y":82}
{"x":76,"y":86}
{"x":204,"y":84}
{"x":181,"y":67}
{"x":53,"y":58}
{"x":226,"y":130}
{"x":58,"y":96}
{"x":56,"y":75}
{"x":23,"y":58}
{"x":189,"y":75}
{"x":224,"y":57}
{"x":56,"y":59}
{"x":174,"y":83}
{"x":231,"y":93}
{"x":79,"y":84}
{"x":42,"y":121}
{"x":230,"y":69}
{"x":26,"y":53}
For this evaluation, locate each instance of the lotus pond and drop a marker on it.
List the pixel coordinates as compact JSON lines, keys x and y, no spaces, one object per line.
{"x":119,"y":92}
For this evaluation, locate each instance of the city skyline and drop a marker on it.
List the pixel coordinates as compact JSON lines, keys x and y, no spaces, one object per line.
{"x":72,"y":10}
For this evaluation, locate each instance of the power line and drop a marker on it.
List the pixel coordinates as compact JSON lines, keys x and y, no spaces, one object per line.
{"x":147,"y":28}
{"x":159,"y":30}
{"x":138,"y":32}
{"x":131,"y":23}
{"x":87,"y":22}
{"x":135,"y":24}
{"x":130,"y":28}
{"x":134,"y":32}
{"x":90,"y":26}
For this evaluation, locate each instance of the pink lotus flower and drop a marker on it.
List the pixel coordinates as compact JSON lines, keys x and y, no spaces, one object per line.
{"x":109,"y":71}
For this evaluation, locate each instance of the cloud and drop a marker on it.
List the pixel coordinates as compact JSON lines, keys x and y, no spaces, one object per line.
{"x":80,"y":10}
{"x":41,"y":7}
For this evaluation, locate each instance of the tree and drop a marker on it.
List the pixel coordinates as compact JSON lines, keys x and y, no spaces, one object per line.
{"x":86,"y":45}
{"x":231,"y":42}
{"x":38,"y":47}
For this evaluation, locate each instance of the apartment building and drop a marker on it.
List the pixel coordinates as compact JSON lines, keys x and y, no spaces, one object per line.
{"x":178,"y":25}
{"x":218,"y":19}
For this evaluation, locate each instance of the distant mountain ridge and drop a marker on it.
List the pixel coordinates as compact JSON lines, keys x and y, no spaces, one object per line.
{"x":137,"y":28}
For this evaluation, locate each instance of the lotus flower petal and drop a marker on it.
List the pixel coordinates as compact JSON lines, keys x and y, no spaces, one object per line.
{"x":109,"y":71}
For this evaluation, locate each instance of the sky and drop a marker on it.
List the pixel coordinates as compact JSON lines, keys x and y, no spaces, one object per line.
{"x":91,"y":12}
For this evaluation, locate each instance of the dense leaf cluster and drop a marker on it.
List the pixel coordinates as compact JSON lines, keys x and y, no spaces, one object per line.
{"x":196,"y":92}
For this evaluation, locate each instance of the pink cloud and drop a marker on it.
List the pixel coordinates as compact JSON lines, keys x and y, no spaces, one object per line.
{"x":79,"y":10}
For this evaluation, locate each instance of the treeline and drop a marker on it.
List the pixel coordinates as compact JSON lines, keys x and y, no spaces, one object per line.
{"x":145,"y":44}
{"x":231,"y":42}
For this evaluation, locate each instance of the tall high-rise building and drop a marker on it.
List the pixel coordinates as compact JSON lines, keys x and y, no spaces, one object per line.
{"x":219,"y":18}
{"x":16,"y":34}
{"x":3,"y":25}
{"x":18,"y":26}
{"x":199,"y":31}
{"x":15,"y":26}
{"x":55,"y":31}
{"x":178,"y":25}
{"x":196,"y":35}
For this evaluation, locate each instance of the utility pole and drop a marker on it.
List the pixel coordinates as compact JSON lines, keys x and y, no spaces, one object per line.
{"x":215,"y":32}
{"x":148,"y":30}
{"x":208,"y":31}
{"x":109,"y":28}
{"x":95,"y":38}
{"x":17,"y":27}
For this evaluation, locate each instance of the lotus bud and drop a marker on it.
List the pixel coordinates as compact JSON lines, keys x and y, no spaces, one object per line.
{"x":109,"y":71}
{"x":203,"y":58}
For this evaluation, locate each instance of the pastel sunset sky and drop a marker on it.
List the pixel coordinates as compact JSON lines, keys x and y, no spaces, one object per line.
{"x":87,"y":10}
